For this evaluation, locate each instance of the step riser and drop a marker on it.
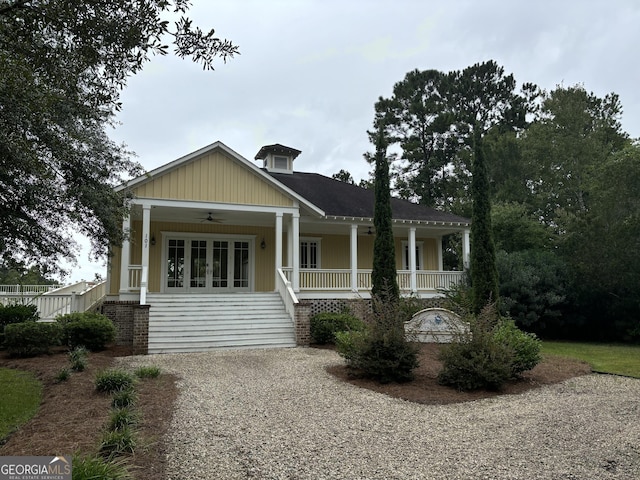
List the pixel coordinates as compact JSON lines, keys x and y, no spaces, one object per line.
{"x":193,"y":323}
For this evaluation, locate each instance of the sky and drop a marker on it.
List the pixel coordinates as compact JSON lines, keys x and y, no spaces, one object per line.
{"x":309,"y":72}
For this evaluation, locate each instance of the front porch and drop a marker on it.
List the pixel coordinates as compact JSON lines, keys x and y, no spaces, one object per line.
{"x":340,"y":282}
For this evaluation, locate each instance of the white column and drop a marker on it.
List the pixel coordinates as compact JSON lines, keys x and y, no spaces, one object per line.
{"x":466,"y":249}
{"x":440,"y":260}
{"x":295,"y":250}
{"x":278,"y":245}
{"x":354,"y":257}
{"x":125,"y":255}
{"x":412,"y":259}
{"x":146,"y":244}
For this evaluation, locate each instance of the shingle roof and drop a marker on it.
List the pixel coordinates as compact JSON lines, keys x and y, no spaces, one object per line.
{"x":342,"y":199}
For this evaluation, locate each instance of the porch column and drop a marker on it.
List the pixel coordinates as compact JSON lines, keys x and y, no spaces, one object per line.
{"x":125,"y":255}
{"x":412,"y":259}
{"x":440,"y":260}
{"x":278,"y":242}
{"x":295,"y":251}
{"x":146,"y":242}
{"x":354,"y":257}
{"x":465,"y":249}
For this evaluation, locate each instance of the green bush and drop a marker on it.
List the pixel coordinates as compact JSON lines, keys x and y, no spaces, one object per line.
{"x":110,"y":381}
{"x":124,"y":398}
{"x":118,"y":442}
{"x":525,"y":346}
{"x":63,"y":375}
{"x":31,"y":338}
{"x":477,"y":359}
{"x":381,"y":351}
{"x":122,"y":418}
{"x":78,"y":359}
{"x":147,"y":372}
{"x":325,"y":325}
{"x":91,"y":330}
{"x":92,"y":468}
{"x":17,"y":313}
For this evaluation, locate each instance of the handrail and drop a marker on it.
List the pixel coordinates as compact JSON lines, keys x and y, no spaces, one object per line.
{"x":143,"y":285}
{"x":287,"y":294}
{"x":27,"y":289}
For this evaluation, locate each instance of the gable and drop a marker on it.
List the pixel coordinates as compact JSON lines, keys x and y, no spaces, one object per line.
{"x":213,"y":176}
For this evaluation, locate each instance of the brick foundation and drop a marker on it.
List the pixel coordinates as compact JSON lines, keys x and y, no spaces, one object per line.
{"x":132,"y":324}
{"x":303,"y":324}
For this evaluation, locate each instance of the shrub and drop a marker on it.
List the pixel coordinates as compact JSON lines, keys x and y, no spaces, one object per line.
{"x":110,"y":381}
{"x":30,"y":338}
{"x":63,"y":375}
{"x":525,"y":346}
{"x":147,"y":372}
{"x":92,"y":330}
{"x":124,"y":398}
{"x":17,"y":313}
{"x":78,"y":358}
{"x":91,"y":468}
{"x":122,"y":418}
{"x":476,"y":359}
{"x":118,"y":442}
{"x":325,"y":325}
{"x":381,"y":351}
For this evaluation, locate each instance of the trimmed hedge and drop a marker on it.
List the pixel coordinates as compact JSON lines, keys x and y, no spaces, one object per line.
{"x":525,"y":346}
{"x":324,"y":326}
{"x":91,"y":330}
{"x":17,"y":313}
{"x":31,"y":338}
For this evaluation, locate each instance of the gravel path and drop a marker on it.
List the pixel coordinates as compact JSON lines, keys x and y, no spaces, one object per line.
{"x":276,"y":414}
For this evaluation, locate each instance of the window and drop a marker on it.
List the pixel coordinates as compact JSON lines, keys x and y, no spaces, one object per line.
{"x":405,"y":256}
{"x":309,"y":253}
{"x":281,"y":163}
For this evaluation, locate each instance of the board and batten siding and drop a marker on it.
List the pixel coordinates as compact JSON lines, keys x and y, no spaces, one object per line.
{"x":213,"y":177}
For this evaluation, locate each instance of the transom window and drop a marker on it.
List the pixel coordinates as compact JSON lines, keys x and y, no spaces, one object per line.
{"x":309,"y":253}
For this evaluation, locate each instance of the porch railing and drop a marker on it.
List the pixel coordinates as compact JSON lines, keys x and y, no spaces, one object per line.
{"x":283,"y":286}
{"x":79,"y":297}
{"x":340,"y":279}
{"x":135,"y":277}
{"x":26,"y":289}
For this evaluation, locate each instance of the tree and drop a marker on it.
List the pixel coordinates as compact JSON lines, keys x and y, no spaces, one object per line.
{"x":343,"y":176}
{"x":62,"y":67}
{"x":574,"y":132}
{"x":383,"y":276}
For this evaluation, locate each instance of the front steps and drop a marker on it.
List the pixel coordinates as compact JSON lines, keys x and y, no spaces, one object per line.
{"x":198,"y":322}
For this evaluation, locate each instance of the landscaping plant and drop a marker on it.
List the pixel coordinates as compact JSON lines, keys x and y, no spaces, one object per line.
{"x":31,"y":338}
{"x":110,"y":381}
{"x":324,"y":326}
{"x":91,"y":330}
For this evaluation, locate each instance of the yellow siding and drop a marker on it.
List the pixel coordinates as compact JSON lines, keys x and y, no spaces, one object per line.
{"x":214,"y":177}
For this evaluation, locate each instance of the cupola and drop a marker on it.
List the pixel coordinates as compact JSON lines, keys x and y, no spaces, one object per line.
{"x":277,"y":158}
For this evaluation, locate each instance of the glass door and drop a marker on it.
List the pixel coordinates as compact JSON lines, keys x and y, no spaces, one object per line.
{"x":208,"y":265}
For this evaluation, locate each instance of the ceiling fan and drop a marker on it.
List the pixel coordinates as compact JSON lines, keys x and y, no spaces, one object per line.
{"x":209,"y":218}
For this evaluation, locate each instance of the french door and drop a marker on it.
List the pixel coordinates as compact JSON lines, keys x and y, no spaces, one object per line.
{"x":208,"y":265}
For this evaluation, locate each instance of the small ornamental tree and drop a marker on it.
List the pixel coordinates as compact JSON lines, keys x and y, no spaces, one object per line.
{"x":484,"y":274}
{"x":383,"y":276}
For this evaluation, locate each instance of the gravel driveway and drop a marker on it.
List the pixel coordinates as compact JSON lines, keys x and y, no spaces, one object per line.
{"x":276,"y":414}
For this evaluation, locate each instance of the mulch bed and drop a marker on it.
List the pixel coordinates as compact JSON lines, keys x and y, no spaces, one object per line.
{"x":426,"y":389}
{"x":72,"y":415}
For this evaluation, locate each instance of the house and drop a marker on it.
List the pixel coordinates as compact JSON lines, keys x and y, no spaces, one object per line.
{"x":228,"y":252}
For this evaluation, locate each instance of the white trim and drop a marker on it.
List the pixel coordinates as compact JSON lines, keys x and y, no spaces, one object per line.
{"x":125,"y":255}
{"x":227,"y":207}
{"x":354,"y":257}
{"x":295,"y":250}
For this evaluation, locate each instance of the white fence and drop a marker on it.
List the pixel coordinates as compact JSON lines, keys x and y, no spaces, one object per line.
{"x":79,"y":297}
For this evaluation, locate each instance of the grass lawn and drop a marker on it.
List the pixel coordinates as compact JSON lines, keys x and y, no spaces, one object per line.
{"x":20,"y":397}
{"x":603,"y":358}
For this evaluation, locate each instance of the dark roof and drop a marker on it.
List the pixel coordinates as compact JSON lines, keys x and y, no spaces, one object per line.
{"x":342,"y":199}
{"x":276,"y":149}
